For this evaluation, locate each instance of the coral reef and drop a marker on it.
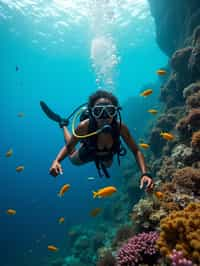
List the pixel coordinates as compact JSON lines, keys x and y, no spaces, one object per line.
{"x":193,"y":101}
{"x":182,"y":155}
{"x":180,"y":230}
{"x":146,"y":214}
{"x":107,"y":260}
{"x":166,"y":169}
{"x":177,"y":259}
{"x":189,"y":124}
{"x":194,"y":60}
{"x":195,"y":142}
{"x":191,"y":89}
{"x":187,"y":180}
{"x":138,"y":249}
{"x":157,"y":143}
{"x":123,"y":233}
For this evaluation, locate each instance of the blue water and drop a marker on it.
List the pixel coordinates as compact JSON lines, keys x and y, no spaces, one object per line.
{"x":61,"y":75}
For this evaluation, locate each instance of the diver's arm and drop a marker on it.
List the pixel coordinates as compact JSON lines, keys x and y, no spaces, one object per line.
{"x":125,"y":133}
{"x":69,"y":148}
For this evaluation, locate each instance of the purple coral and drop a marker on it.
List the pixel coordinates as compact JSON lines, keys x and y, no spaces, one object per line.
{"x":138,"y":249}
{"x":177,"y":259}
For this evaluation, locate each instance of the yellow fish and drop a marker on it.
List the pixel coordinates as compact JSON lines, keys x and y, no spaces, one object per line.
{"x":9,"y":153}
{"x":61,"y":220}
{"x":152,"y":111}
{"x":104,"y":192}
{"x":52,"y":248}
{"x":63,"y":189}
{"x":159,"y":194}
{"x":146,"y":92}
{"x":144,"y":145}
{"x":161,"y":72}
{"x":11,"y":212}
{"x":95,"y":212}
{"x":167,"y":136}
{"x":20,"y":168}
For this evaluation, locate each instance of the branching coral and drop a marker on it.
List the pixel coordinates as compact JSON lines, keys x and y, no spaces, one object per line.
{"x":180,"y":230}
{"x":177,"y":259}
{"x":139,"y":249}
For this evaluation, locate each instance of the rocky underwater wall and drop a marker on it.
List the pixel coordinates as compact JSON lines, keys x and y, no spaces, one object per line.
{"x":175,"y":22}
{"x":163,"y":227}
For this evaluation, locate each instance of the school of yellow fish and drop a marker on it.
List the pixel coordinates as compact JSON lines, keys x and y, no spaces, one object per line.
{"x":105,"y":191}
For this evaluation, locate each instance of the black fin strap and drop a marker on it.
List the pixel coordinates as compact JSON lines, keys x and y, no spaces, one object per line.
{"x":98,"y":167}
{"x":105,"y":170}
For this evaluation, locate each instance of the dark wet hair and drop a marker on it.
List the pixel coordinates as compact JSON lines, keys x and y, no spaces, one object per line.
{"x":102,"y":94}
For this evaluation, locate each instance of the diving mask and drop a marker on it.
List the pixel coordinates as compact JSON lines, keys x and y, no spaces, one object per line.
{"x":104,"y":111}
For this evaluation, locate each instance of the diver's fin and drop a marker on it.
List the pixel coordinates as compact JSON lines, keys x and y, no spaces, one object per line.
{"x":53,"y":116}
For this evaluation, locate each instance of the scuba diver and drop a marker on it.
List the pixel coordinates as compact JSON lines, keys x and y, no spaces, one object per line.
{"x":98,"y":133}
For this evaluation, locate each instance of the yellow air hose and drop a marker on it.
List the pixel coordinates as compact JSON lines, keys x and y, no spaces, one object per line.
{"x":74,"y":122}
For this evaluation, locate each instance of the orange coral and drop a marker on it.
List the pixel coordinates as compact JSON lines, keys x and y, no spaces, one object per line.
{"x":180,"y":230}
{"x":196,"y":140}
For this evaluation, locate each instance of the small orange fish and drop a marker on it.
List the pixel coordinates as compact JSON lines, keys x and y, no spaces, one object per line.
{"x":11,"y":212}
{"x":9,"y":153}
{"x":104,"y":192}
{"x":144,"y":145}
{"x":52,"y":248}
{"x":63,"y":189}
{"x":95,"y":212}
{"x":159,"y":194}
{"x":61,"y":220}
{"x":20,"y":168}
{"x":146,"y":92}
{"x":161,"y":72}
{"x":152,"y":111}
{"x":167,"y":136}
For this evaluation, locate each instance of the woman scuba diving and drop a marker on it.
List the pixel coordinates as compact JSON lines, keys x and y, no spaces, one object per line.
{"x":99,"y":133}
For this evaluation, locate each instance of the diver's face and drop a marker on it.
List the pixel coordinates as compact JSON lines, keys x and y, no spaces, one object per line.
{"x":103,"y":120}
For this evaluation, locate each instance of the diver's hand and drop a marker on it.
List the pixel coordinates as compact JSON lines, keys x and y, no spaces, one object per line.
{"x":148,"y":180}
{"x":55,"y":168}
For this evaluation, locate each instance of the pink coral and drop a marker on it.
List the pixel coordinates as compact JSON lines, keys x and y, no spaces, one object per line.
{"x":139,"y":249}
{"x":177,"y":259}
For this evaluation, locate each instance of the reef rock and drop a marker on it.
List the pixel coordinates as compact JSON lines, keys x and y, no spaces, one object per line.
{"x":179,"y":19}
